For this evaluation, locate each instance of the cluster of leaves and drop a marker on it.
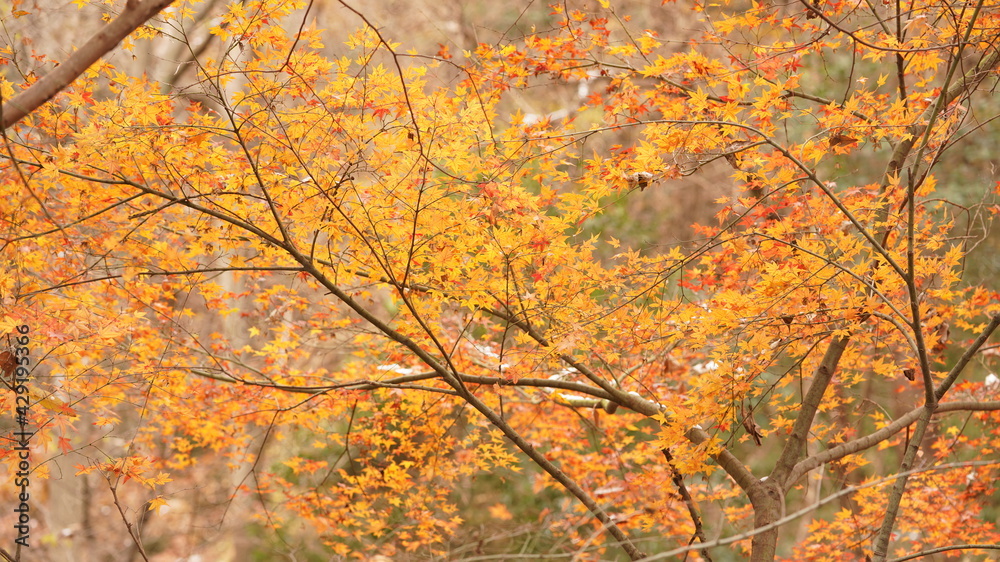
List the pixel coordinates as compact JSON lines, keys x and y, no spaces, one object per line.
{"x":374,"y":262}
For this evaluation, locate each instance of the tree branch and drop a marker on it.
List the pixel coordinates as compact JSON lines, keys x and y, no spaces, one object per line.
{"x":367,"y":384}
{"x":135,"y":14}
{"x":132,"y":532}
{"x":952,"y":92}
{"x":872,"y":439}
{"x":728,"y":461}
{"x":810,"y":508}
{"x":452,"y":379}
{"x":924,"y":553}
{"x":692,"y":507}
{"x":795,"y":445}
{"x":955,"y":371}
{"x":899,"y":488}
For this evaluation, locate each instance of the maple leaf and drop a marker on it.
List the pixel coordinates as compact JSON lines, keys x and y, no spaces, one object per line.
{"x":156,"y":503}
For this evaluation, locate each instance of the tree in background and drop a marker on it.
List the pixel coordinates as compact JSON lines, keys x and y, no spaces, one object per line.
{"x":333,"y":289}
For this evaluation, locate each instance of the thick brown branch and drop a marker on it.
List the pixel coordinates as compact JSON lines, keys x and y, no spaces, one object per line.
{"x":872,"y":439}
{"x":728,"y":461}
{"x":795,"y":446}
{"x":135,"y":14}
{"x":955,"y":371}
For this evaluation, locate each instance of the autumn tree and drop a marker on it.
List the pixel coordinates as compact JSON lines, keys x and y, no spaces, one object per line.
{"x":345,"y":277}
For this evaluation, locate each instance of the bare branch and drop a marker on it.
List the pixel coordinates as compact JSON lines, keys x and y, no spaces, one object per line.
{"x":133,"y":534}
{"x":692,"y":507}
{"x":924,"y":553}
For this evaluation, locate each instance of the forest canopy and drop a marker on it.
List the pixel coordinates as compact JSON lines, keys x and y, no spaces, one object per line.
{"x":594,"y":280}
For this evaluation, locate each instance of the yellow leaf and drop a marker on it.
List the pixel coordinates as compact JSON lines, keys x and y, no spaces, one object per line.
{"x":500,"y":511}
{"x":156,"y":503}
